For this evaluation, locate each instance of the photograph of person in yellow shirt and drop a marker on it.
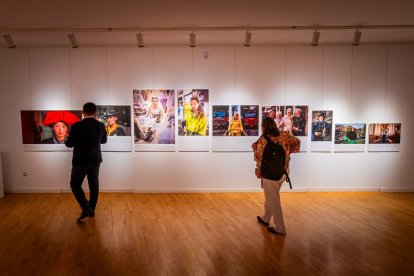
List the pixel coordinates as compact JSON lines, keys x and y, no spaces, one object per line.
{"x":193,"y":121}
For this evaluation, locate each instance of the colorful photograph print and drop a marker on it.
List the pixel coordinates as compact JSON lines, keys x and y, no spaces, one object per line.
{"x":235,"y":120}
{"x":322,"y":125}
{"x":384,"y":133}
{"x":193,"y":112}
{"x":350,"y":133}
{"x":48,"y":127}
{"x":290,"y":118}
{"x":154,"y":116}
{"x":117,"y":119}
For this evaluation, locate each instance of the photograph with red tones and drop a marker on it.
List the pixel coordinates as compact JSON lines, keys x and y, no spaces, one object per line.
{"x":48,"y":127}
{"x":235,"y":120}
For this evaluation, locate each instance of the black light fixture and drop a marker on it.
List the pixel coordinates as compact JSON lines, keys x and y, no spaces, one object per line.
{"x":315,"y":38}
{"x":247,"y":39}
{"x":357,"y":38}
{"x":9,"y":41}
{"x":193,"y":39}
{"x":73,"y":41}
{"x":140,"y":40}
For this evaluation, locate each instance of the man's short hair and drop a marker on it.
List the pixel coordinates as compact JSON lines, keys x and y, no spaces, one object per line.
{"x":89,"y":108}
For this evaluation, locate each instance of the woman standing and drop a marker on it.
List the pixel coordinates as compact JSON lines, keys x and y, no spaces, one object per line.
{"x":195,"y":121}
{"x":271,"y":188}
{"x":235,"y":126}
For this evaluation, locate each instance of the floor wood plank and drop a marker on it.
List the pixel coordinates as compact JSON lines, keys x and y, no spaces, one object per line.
{"x":207,"y":234}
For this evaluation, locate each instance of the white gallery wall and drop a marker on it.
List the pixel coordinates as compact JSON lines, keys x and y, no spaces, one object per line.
{"x":368,"y":83}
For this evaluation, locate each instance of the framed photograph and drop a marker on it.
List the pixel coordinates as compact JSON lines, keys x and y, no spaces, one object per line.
{"x":154,"y":120}
{"x":193,"y":112}
{"x":350,"y":134}
{"x":193,"y":119}
{"x":235,"y":120}
{"x":47,"y":130}
{"x":322,"y":122}
{"x":117,"y":122}
{"x":290,"y":118}
{"x":350,"y":137}
{"x":116,"y":118}
{"x":384,"y":137}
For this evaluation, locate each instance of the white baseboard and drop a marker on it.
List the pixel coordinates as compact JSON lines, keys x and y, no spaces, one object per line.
{"x":189,"y":190}
{"x":33,"y":191}
{"x":294,"y":190}
{"x":343,"y":189}
{"x":198,"y":190}
{"x":397,"y":190}
{"x":105,"y":190}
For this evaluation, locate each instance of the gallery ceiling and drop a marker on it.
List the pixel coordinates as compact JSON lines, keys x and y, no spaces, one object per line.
{"x":20,"y":17}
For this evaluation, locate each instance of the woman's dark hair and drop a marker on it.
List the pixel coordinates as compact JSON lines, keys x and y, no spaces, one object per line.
{"x":269,"y":127}
{"x":89,"y":108}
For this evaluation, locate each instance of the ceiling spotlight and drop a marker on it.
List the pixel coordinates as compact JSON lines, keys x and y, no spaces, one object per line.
{"x":192,"y":39}
{"x":315,"y":38}
{"x":247,"y":39}
{"x":357,"y":38}
{"x":140,"y":40}
{"x":9,"y":41}
{"x":73,"y":40}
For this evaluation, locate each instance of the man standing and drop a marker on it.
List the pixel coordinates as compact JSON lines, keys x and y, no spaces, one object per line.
{"x":86,"y":138}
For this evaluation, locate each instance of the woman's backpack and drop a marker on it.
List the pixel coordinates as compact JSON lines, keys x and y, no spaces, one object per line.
{"x":274,"y":161}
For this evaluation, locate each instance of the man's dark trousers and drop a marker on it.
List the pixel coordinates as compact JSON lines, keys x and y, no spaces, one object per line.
{"x":86,"y":138}
{"x":77,"y":176}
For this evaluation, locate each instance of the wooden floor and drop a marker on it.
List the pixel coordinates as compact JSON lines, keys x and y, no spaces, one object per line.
{"x":207,"y":234}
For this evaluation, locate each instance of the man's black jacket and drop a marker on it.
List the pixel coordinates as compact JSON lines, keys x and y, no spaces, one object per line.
{"x":86,"y":138}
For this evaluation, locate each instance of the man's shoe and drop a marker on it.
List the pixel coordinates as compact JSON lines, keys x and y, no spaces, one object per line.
{"x":273,"y":230}
{"x":262,"y":221}
{"x":93,"y":214}
{"x":85,"y":214}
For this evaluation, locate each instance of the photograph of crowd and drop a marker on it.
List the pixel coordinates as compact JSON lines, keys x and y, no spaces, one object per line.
{"x":235,"y":120}
{"x":154,"y":116}
{"x":384,"y":133}
{"x":117,"y":119}
{"x":322,"y":125}
{"x":350,"y":133}
{"x":48,"y":127}
{"x":193,"y":112}
{"x":292,"y":119}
